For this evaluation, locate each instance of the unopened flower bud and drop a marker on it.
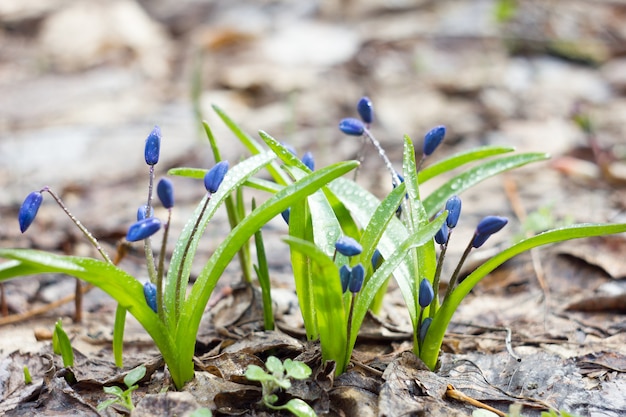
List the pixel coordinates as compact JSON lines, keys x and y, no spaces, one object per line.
{"x":28,"y":209}
{"x":165,"y":191}
{"x":307,"y":159}
{"x":285,"y":215}
{"x":150,"y":293}
{"x":424,"y":328}
{"x":441,"y":237}
{"x":351,"y":126}
{"x":488,"y":226}
{"x":143,"y":229}
{"x":153,"y":146}
{"x":453,"y":205}
{"x":377,"y":259}
{"x":214,"y":177}
{"x":347,"y":246}
{"x":365,"y":109}
{"x":345,"y":272}
{"x":356,"y":278}
{"x":426,"y":293}
{"x":433,"y":138}
{"x":143,"y":210}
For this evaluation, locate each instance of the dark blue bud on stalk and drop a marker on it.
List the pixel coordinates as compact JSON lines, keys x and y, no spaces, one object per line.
{"x":442,"y":235}
{"x":150,"y":293}
{"x":143,"y":229}
{"x":365,"y":109}
{"x":153,"y":146}
{"x":356,"y":278}
{"x":214,"y":177}
{"x":307,"y":159}
{"x":285,"y":215}
{"x":141,"y":212}
{"x":426,"y":294}
{"x":433,"y":138}
{"x":165,"y":191}
{"x":377,"y":259}
{"x":347,"y":246}
{"x":453,"y":205}
{"x":487,"y":227}
{"x":351,"y":126}
{"x":29,"y":209}
{"x":345,"y":273}
{"x":424,"y":328}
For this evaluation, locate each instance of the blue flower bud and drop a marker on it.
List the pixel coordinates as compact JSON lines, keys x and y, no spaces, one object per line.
{"x":356,"y":278}
{"x":150,"y":293}
{"x":347,"y":246}
{"x":141,"y":212}
{"x":487,"y":226}
{"x":28,"y":210}
{"x":352,"y":126}
{"x":453,"y":205}
{"x":165,"y":191}
{"x":442,"y":235}
{"x":426,"y":293}
{"x":307,"y":159}
{"x":285,"y":215}
{"x":365,"y":109}
{"x":345,"y":272}
{"x":214,"y":177}
{"x":424,"y":328}
{"x":143,"y":229}
{"x":153,"y":146}
{"x":377,"y":259}
{"x":433,"y":138}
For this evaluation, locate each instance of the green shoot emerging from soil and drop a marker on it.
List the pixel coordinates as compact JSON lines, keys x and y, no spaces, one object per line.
{"x":124,"y":397}
{"x":276,"y":378}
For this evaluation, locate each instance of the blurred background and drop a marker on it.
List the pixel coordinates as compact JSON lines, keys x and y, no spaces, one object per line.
{"x":82,"y":83}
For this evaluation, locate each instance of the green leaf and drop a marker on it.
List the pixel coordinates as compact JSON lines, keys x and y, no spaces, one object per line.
{"x":63,"y":346}
{"x":274,"y":365}
{"x":327,"y":300}
{"x":202,"y":412}
{"x":297,"y":369}
{"x":460,"y":159}
{"x":107,"y":403}
{"x":299,"y":408}
{"x":256,"y":373}
{"x":114,"y":390}
{"x":134,"y":376}
{"x":473,"y":176}
{"x":434,"y":337}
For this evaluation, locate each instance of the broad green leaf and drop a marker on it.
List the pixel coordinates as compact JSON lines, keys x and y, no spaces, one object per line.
{"x":256,"y":373}
{"x":134,"y":376}
{"x":274,"y":365}
{"x":460,"y":159}
{"x":435,"y":201}
{"x":437,"y":329}
{"x":297,"y":369}
{"x":113,"y":390}
{"x":299,"y":408}
{"x":328,"y":301}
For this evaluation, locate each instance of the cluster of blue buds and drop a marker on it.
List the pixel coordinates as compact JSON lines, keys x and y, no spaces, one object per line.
{"x":487,"y":227}
{"x":453,"y":205}
{"x":351,"y":278}
{"x":355,"y":127}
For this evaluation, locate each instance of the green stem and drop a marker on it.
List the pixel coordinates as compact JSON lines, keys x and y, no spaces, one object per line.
{"x":160,"y":271}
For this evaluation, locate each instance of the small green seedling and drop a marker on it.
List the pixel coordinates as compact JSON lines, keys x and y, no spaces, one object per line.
{"x":61,"y":345}
{"x":276,"y":378}
{"x":27,"y":378}
{"x":123,"y":398}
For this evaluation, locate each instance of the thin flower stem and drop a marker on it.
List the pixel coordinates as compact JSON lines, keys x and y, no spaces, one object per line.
{"x":160,"y":270}
{"x":394,"y":175}
{"x":436,"y":278}
{"x":349,"y":330}
{"x":78,"y":224}
{"x":419,"y":329}
{"x":456,"y":272}
{"x":147,"y":243}
{"x":184,"y":257}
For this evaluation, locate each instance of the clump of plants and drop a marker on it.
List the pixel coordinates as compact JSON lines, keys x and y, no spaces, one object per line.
{"x":345,"y":243}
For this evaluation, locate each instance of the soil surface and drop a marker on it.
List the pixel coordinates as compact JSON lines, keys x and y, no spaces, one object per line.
{"x":82,"y":83}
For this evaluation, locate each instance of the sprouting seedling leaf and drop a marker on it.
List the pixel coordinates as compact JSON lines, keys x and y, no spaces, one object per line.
{"x":297,"y":369}
{"x":135,"y":376}
{"x":256,"y":373}
{"x":61,"y":345}
{"x":274,"y":365}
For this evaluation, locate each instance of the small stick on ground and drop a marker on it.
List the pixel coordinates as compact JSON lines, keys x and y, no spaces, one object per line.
{"x":452,"y":392}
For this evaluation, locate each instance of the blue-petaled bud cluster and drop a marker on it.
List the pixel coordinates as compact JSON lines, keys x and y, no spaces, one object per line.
{"x":487,"y":227}
{"x":433,"y":139}
{"x":150,"y":293}
{"x":345,"y":272}
{"x":356,"y":278}
{"x":165,"y":191}
{"x":143,"y":229}
{"x":153,"y":146}
{"x":214,"y":177}
{"x":347,"y":246}
{"x":365,"y":109}
{"x":29,"y":209}
{"x":426,"y":293}
{"x":453,"y":205}
{"x":351,"y":126}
